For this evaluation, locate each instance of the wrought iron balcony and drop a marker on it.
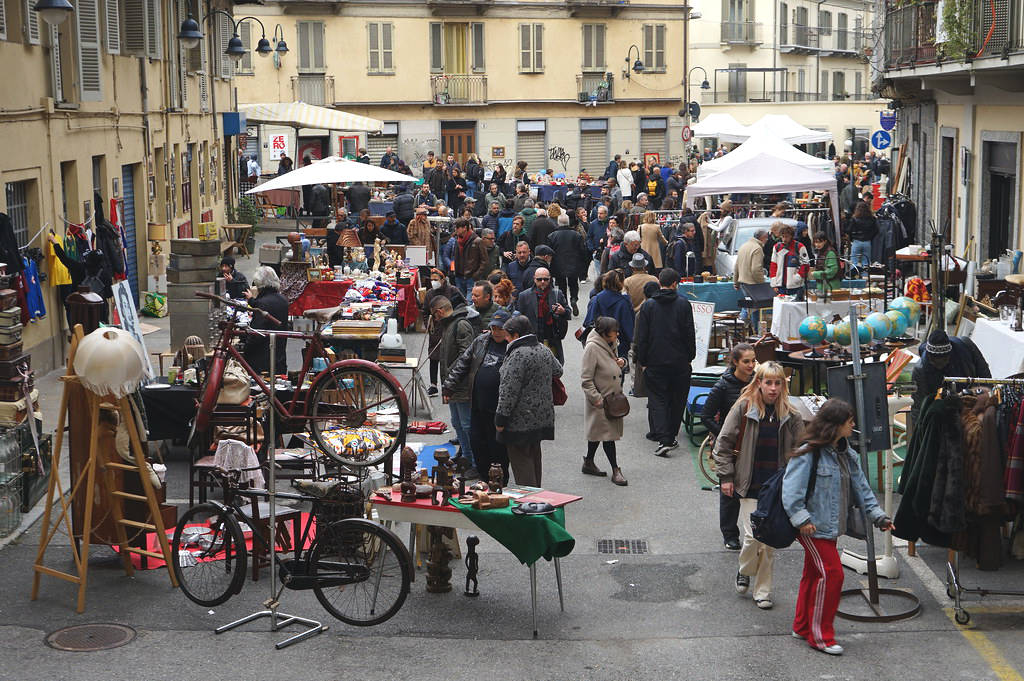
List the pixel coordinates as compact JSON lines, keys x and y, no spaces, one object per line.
{"x":594,"y":88}
{"x":910,"y":34}
{"x":741,"y":32}
{"x":458,"y":89}
{"x":313,"y":88}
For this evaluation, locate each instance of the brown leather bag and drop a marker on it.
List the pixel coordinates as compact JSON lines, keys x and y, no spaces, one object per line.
{"x":616,"y":405}
{"x":765,"y":346}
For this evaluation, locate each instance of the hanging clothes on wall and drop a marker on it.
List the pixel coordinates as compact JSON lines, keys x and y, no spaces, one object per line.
{"x":116,"y":221}
{"x":33,"y":290}
{"x":9,"y":245}
{"x":58,"y":274}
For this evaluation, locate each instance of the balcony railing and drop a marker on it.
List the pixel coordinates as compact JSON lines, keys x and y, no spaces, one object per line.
{"x":778,"y":96}
{"x":741,"y":32}
{"x":594,"y":87}
{"x":910,"y":34}
{"x":458,"y":88}
{"x":313,"y":88}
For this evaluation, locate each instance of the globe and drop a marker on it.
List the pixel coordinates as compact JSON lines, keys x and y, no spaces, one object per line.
{"x":841,"y":334}
{"x":864,"y":332}
{"x":910,"y":308}
{"x":830,"y":332}
{"x":813,"y":331}
{"x":879,"y":323}
{"x":898,"y":321}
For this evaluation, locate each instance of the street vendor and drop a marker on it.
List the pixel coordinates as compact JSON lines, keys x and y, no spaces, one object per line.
{"x":236,"y":282}
{"x":942,"y":356}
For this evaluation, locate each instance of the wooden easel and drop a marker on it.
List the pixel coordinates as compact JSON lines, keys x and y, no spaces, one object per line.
{"x":86,"y":484}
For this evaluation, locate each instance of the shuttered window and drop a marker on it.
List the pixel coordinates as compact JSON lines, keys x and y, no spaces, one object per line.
{"x":153,"y":23}
{"x":476,"y":31}
{"x":245,"y":33}
{"x":135,"y":27}
{"x":376,"y":145}
{"x":311,"y":47}
{"x":436,"y":48}
{"x":197,"y":54}
{"x":87,"y":14}
{"x":225,"y":31}
{"x":531,"y":145}
{"x":653,"y":137}
{"x":823,"y":92}
{"x":531,"y":48}
{"x":593,"y":46}
{"x":825,"y":22}
{"x":3,"y":20}
{"x":783,"y":23}
{"x":381,"y":41}
{"x":31,"y":23}
{"x":112,"y":21}
{"x":593,"y":144}
{"x":654,"y":47}
{"x":858,"y":85}
{"x":56,"y":74}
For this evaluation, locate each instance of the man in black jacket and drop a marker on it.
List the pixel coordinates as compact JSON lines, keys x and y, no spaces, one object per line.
{"x":664,"y":345}
{"x":547,"y":309}
{"x":404,"y":207}
{"x":358,"y":198}
{"x":571,"y":259}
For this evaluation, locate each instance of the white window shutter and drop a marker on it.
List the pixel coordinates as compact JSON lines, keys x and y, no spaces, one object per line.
{"x":3,"y":20}
{"x":31,"y":23}
{"x":225,"y":30}
{"x":659,"y":46}
{"x":649,"y":45}
{"x":303,"y":33}
{"x":112,"y":16}
{"x":538,"y":47}
{"x":436,"y":48}
{"x":182,"y":62}
{"x":197,"y":55}
{"x":245,"y":33}
{"x":373,"y":40}
{"x":89,"y":66}
{"x":387,"y":47}
{"x":135,"y":27}
{"x":153,"y":23}
{"x":56,"y":77}
{"x":204,"y":77}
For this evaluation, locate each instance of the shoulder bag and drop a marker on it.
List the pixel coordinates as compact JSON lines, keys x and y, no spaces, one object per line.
{"x":616,"y":405}
{"x":558,"y":394}
{"x":769,"y":523}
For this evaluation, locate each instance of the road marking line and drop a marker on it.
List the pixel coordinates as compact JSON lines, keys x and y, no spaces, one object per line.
{"x":986,"y":649}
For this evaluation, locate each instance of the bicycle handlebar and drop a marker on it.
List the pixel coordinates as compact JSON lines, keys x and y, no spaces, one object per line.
{"x":238,"y":306}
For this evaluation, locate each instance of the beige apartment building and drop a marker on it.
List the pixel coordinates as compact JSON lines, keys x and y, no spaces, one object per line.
{"x":957,"y":82}
{"x":804,"y":58}
{"x":108,"y":103}
{"x":550,"y":82}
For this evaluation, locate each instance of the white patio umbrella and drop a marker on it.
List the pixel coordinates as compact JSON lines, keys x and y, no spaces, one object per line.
{"x":332,"y":170}
{"x":781,"y":127}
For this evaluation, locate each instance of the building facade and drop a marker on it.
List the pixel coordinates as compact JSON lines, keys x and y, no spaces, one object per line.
{"x":807,"y":59}
{"x":955,"y":74}
{"x":109,"y":106}
{"x":550,"y":82}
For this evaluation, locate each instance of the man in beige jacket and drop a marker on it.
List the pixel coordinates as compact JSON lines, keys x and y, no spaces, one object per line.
{"x":635,"y":282}
{"x":749,"y":267}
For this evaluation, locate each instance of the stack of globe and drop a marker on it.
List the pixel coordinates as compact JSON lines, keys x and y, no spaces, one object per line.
{"x":844,"y":337}
{"x":813,"y":331}
{"x":909,"y":307}
{"x":880,"y":325}
{"x":898,"y":321}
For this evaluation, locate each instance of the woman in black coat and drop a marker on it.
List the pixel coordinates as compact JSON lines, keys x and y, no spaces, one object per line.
{"x":720,"y":400}
{"x":270,"y":300}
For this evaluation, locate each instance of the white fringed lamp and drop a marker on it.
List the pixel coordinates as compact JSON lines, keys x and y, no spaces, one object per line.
{"x":110,"y":361}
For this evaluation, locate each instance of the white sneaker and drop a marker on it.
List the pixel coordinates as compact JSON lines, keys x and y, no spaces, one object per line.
{"x":742,"y":583}
{"x":764,"y":603}
{"x":795,"y":635}
{"x":834,"y":649}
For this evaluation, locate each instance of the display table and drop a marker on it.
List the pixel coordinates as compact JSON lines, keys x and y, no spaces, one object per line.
{"x":169,"y":410}
{"x":541,"y":536}
{"x":787,"y":315}
{"x":236,"y":235}
{"x":548,"y":192}
{"x":726,"y":296}
{"x":288,"y":198}
{"x":1001,"y":346}
{"x":319,"y":294}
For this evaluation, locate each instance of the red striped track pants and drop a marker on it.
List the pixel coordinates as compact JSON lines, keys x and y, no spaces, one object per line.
{"x":820,"y":588}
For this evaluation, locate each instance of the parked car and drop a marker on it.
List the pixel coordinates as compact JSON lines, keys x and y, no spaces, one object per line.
{"x":741,"y":232}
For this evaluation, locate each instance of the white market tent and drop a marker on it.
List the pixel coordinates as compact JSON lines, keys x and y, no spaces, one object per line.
{"x":332,"y":170}
{"x":779,"y":126}
{"x":718,"y":124}
{"x":759,"y":145}
{"x":302,"y":115}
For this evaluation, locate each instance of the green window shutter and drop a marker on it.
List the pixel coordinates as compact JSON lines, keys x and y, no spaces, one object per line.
{"x":89,"y":66}
{"x":436,"y":48}
{"x":476,"y":30}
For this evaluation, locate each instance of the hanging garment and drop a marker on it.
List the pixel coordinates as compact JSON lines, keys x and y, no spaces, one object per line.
{"x":1014,"y":476}
{"x":59,"y":275}
{"x":9,"y":253}
{"x":18,"y":284}
{"x":118,"y":224}
{"x":33,"y":291}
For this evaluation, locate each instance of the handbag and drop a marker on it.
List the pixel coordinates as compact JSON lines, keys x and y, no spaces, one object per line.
{"x":558,"y":394}
{"x":764,"y":347}
{"x":856,"y":522}
{"x":582,"y":333}
{"x":235,"y":386}
{"x":616,"y":405}
{"x":769,"y":523}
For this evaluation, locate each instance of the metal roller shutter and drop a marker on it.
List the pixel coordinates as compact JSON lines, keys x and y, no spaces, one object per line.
{"x":593,"y":151}
{"x":376,"y":145}
{"x":128,"y":220}
{"x":530,"y":148}
{"x":653,"y":142}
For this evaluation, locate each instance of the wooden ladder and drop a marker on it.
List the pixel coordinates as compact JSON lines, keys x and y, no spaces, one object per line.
{"x":87,"y":483}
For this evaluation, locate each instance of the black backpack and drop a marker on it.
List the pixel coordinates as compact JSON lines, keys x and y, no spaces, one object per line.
{"x":769,"y":523}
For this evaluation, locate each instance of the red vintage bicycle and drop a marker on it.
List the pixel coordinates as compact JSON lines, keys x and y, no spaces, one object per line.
{"x":355,"y":411}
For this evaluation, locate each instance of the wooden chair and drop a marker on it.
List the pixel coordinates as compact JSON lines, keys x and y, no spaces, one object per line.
{"x":201,"y":464}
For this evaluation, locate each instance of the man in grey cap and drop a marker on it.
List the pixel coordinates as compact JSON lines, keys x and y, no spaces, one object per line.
{"x":637,"y":280}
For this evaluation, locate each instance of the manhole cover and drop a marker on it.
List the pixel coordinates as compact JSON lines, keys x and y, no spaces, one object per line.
{"x":635,"y":546}
{"x":85,"y":638}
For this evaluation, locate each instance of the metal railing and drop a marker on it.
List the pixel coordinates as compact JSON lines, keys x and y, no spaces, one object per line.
{"x":595,"y":87}
{"x":741,"y":32}
{"x":458,"y":88}
{"x":778,"y":96}
{"x":910,"y":34}
{"x":313,"y":88}
{"x":804,"y":36}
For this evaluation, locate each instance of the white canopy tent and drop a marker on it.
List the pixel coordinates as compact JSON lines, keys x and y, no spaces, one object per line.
{"x":302,"y":115}
{"x":779,"y":126}
{"x":762,"y":144}
{"x":718,"y":124}
{"x":332,"y":170}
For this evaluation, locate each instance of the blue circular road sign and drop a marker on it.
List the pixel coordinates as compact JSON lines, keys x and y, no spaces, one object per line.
{"x":880,"y":139}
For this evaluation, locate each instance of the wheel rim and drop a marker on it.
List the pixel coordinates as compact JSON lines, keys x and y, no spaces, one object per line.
{"x":207,"y":556}
{"x":352,"y":399}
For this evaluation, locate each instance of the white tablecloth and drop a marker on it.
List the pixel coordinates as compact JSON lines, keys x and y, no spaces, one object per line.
{"x":1001,"y":346}
{"x":787,"y":315}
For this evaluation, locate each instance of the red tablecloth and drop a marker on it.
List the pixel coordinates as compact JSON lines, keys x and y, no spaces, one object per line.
{"x":284,"y":197}
{"x":318,"y":294}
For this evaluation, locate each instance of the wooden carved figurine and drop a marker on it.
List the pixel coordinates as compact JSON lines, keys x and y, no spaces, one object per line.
{"x":472,"y":566}
{"x":408,"y":468}
{"x":496,"y":478}
{"x":462,"y":464}
{"x":443,"y":478}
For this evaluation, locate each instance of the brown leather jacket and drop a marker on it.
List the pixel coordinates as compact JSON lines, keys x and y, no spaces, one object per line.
{"x":471,"y":260}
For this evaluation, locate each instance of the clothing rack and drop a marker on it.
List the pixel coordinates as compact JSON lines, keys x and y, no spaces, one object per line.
{"x":954,"y":588}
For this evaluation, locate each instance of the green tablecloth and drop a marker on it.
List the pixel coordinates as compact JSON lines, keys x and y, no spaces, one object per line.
{"x":528,"y":537}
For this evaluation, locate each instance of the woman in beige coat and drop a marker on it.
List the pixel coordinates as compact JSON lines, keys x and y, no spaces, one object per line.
{"x":601,"y":376}
{"x":651,"y":238}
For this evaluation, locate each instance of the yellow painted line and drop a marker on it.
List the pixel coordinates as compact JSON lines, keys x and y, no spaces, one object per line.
{"x":988,"y":651}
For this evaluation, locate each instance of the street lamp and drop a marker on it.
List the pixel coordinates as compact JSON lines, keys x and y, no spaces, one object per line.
{"x":190,"y":35}
{"x":54,"y":12}
{"x":281,"y":45}
{"x":638,"y":66}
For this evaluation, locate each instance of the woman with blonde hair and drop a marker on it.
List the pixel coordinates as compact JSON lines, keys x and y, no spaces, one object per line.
{"x":651,"y":238}
{"x":758,"y":433}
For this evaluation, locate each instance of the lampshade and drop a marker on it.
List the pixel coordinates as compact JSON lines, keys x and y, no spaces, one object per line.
{"x":189,"y":33}
{"x":109,"y":360}
{"x":263,"y":47}
{"x":705,"y":85}
{"x":282,"y":46}
{"x":638,"y":66}
{"x":54,"y":12}
{"x":235,"y":49}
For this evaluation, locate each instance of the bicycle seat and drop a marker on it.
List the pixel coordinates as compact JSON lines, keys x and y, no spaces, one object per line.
{"x":323,"y":315}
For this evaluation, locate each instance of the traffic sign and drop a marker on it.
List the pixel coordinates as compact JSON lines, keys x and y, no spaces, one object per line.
{"x":687,"y":133}
{"x":887,"y":119}
{"x":881,"y":140}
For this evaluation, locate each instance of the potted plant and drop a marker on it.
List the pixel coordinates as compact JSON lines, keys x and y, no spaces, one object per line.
{"x":248,"y":212}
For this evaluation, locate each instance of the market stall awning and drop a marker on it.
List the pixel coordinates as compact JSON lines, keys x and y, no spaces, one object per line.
{"x":718,"y":124}
{"x":332,"y":170}
{"x":763,"y":144}
{"x":302,"y":115}
{"x":779,"y":126}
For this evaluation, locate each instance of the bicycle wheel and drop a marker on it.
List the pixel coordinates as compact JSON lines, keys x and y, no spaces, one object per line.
{"x":358,"y":413}
{"x":363,"y":571}
{"x":705,"y":461}
{"x":208,"y":554}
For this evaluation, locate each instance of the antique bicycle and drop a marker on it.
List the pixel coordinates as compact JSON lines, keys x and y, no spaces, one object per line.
{"x":358,"y":569}
{"x":341,"y":406}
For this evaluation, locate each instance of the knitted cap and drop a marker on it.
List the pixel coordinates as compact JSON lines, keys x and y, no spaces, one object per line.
{"x":938,"y":343}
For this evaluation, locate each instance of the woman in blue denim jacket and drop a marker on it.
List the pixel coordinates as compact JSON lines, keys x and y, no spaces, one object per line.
{"x":821,"y":518}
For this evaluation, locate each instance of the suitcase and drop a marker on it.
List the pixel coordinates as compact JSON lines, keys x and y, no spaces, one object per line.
{"x":10,"y":334}
{"x":8,"y":298}
{"x":12,"y":390}
{"x":10,"y":316}
{"x":11,"y":350}
{"x":9,"y":368}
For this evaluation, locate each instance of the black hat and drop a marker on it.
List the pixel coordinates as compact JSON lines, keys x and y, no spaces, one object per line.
{"x":544,"y":249}
{"x":938,"y":343}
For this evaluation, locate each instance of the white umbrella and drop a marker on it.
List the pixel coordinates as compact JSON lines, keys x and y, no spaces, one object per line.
{"x":332,"y":170}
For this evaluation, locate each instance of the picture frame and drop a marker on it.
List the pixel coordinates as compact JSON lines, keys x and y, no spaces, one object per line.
{"x":651,"y":157}
{"x":497,"y":152}
{"x":313,"y":274}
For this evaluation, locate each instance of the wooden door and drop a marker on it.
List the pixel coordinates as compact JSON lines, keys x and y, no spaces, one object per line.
{"x":460,"y":142}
